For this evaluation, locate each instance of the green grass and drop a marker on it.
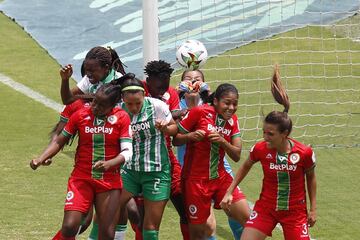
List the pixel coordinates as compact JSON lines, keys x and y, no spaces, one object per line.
{"x":31,"y":202}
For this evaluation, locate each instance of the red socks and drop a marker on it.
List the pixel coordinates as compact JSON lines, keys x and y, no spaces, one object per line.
{"x":59,"y":236}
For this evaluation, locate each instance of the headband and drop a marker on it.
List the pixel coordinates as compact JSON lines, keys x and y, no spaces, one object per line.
{"x":132,"y":88}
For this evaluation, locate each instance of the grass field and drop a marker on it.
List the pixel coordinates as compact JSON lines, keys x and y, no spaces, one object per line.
{"x":31,"y":203}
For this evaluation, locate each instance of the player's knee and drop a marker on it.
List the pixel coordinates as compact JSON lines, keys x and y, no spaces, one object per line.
{"x":107,"y":233}
{"x":69,"y":228}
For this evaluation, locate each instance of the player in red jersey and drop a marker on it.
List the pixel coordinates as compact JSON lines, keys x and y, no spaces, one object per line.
{"x":95,"y":178}
{"x":210,"y":131}
{"x":285,"y":163}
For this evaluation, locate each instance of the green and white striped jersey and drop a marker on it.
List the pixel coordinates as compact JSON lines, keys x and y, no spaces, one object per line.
{"x":149,"y":145}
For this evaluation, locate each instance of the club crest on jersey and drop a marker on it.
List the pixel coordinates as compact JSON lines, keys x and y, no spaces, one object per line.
{"x":192,"y":209}
{"x":253,"y":215}
{"x":112,"y":119}
{"x":294,"y":158}
{"x":231,"y":122}
{"x":269,"y":156}
{"x":209,"y":115}
{"x":69,"y":195}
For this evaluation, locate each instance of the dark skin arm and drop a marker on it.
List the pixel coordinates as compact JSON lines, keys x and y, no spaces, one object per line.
{"x":51,"y":150}
{"x":240,"y":175}
{"x":68,"y":96}
{"x":311,"y":188}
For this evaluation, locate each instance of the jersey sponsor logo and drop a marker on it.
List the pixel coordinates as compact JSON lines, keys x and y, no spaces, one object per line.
{"x":112,"y":119}
{"x":192,"y":209}
{"x":219,"y":129}
{"x":269,"y":156}
{"x":100,"y":129}
{"x":283,"y":167}
{"x":140,"y":126}
{"x":294,"y":158}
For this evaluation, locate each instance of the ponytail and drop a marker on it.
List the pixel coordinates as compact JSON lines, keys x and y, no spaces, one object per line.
{"x":278,"y":91}
{"x":116,"y":63}
{"x":281,"y":119}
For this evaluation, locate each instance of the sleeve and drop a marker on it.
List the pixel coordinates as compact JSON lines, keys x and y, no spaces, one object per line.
{"x":190,"y":120}
{"x":253,"y":153}
{"x":84,"y":84}
{"x":65,"y":114}
{"x":125,"y":128}
{"x":310,"y":159}
{"x":162,"y":111}
{"x":71,"y":127}
{"x":174,"y":101}
{"x":235,"y":132}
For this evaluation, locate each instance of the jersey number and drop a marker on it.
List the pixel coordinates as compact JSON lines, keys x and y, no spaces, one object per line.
{"x":156,"y":183}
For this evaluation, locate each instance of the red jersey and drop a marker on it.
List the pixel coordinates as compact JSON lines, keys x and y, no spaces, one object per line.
{"x":203,"y":159}
{"x":70,"y":109}
{"x":99,"y":139}
{"x":284,"y":174}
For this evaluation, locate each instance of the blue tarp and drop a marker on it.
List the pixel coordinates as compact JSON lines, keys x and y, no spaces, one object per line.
{"x":67,"y":29}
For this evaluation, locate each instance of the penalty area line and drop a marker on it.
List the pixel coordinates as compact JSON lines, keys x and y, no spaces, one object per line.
{"x":30,"y":93}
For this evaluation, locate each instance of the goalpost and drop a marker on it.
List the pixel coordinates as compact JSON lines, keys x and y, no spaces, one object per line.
{"x":315,"y":43}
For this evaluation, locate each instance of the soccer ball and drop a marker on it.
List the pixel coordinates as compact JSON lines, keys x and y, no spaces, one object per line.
{"x":191,"y":55}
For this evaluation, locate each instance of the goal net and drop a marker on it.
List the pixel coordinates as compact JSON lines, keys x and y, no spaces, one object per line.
{"x":315,"y":43}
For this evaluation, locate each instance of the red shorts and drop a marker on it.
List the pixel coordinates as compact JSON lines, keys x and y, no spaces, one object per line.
{"x":175,"y":174}
{"x":293,"y":222}
{"x":81,"y":192}
{"x":199,"y":193}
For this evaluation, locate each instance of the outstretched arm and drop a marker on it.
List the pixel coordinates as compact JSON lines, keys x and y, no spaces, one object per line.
{"x":52,"y":149}
{"x":240,"y":175}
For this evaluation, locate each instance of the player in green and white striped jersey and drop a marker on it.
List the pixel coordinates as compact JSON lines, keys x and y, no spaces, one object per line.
{"x":148,"y":172}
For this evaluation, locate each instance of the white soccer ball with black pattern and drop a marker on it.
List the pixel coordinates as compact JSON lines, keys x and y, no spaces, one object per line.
{"x":191,"y":55}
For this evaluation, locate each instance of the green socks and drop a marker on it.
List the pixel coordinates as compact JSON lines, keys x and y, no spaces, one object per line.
{"x":150,"y":234}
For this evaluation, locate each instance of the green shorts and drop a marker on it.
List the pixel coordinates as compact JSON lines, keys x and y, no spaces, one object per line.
{"x":154,"y":186}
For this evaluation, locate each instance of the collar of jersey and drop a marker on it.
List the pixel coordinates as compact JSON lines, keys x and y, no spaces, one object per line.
{"x":109,"y":77}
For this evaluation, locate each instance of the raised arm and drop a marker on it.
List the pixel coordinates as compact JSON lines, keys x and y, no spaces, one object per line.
{"x":68,"y":96}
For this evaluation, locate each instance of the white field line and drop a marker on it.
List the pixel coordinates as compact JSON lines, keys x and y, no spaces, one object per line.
{"x":30,"y":93}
